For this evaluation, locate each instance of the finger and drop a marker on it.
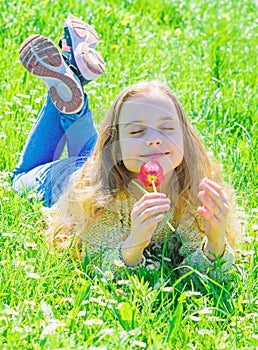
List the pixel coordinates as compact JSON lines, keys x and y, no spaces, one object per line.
{"x":150,"y":213}
{"x":213,"y":208}
{"x":154,"y":220}
{"x":139,"y":207}
{"x":151,"y":195}
{"x":150,"y":224}
{"x":217,"y":199}
{"x":214,"y":190}
{"x":207,"y":181}
{"x":208,"y":203}
{"x":208,"y":216}
{"x":145,"y":231}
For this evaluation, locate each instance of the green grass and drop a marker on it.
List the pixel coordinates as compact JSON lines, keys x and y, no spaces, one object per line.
{"x":205,"y":50}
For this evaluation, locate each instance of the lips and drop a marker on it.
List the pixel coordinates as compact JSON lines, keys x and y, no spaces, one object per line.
{"x":155,"y":155}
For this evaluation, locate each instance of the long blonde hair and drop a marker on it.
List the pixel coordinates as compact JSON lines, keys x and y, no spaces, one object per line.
{"x":104,"y":174}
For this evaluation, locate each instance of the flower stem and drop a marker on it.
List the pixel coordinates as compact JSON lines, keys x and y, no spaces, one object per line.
{"x":154,"y":186}
{"x":139,"y":187}
{"x":155,"y":190}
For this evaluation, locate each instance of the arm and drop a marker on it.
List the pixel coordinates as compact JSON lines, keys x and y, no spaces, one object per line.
{"x":119,"y":237}
{"x":214,"y":211}
{"x":218,"y":268}
{"x":145,"y":216}
{"x":211,"y":255}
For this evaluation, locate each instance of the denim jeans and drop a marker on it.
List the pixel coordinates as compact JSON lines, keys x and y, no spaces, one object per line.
{"x":40,"y":168}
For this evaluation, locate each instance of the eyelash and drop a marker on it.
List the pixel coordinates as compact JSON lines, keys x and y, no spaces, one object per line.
{"x":141,"y":131}
{"x":136,"y":132}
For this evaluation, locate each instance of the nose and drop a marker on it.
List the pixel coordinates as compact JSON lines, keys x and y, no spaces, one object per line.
{"x":154,"y":142}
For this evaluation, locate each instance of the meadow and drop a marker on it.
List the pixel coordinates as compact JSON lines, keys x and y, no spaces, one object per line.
{"x":205,"y":51}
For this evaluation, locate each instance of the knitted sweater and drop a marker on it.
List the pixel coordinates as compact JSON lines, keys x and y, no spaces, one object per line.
{"x":184,"y":245}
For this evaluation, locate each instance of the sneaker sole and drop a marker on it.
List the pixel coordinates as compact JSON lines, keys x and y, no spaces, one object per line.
{"x":40,"y":57}
{"x":84,"y":39}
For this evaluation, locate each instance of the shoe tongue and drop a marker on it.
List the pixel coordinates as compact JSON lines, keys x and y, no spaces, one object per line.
{"x":65,"y":47}
{"x":67,"y":36}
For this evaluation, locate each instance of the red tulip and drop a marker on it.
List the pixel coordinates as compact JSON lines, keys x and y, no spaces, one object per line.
{"x":151,"y":173}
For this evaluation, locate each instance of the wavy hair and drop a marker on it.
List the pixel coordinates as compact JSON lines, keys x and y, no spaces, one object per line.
{"x":104,"y":174}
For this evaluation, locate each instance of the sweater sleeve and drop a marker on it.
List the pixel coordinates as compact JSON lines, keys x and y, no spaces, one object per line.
{"x":103,"y":238}
{"x":192,"y":239}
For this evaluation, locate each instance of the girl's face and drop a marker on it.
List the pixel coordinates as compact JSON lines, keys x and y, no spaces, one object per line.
{"x":149,"y":129}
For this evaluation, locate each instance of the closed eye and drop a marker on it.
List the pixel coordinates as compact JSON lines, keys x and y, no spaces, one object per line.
{"x":168,"y":129}
{"x":136,"y":132}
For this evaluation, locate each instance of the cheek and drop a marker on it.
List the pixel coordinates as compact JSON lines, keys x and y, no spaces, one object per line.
{"x":129,"y":155}
{"x":177,"y":143}
{"x":132,"y":164}
{"x":129,"y":147}
{"x":179,"y":153}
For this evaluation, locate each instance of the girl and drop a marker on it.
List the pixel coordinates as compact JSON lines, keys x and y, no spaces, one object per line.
{"x":101,"y":210}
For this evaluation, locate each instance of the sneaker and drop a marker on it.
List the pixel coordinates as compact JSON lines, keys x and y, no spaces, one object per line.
{"x":41,"y":57}
{"x":81,"y":40}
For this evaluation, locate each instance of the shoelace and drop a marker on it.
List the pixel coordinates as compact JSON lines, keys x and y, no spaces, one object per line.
{"x":67,"y":56}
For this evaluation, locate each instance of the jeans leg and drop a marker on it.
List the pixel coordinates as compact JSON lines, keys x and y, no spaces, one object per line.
{"x":48,"y":176}
{"x":46,"y":140}
{"x":80,"y":131}
{"x":48,"y":180}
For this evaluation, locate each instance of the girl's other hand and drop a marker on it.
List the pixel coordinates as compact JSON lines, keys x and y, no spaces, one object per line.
{"x":145,"y":216}
{"x":214,"y":210}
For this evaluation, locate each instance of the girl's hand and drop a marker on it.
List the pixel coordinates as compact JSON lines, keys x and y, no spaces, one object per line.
{"x":145,"y":216}
{"x":214,"y":210}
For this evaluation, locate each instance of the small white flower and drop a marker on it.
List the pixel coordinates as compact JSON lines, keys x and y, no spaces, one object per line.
{"x":225,"y":16}
{"x":215,"y":318}
{"x":46,"y":310}
{"x":255,"y":227}
{"x":134,"y":331}
{"x":17,"y":100}
{"x":138,"y":343}
{"x":166,"y":259}
{"x":81,"y":313}
{"x":33,"y":120}
{"x":109,"y":275}
{"x":97,"y":301}
{"x":108,"y":330}
{"x":29,"y":302}
{"x":121,"y":282}
{"x":30,"y":244}
{"x":178,"y":31}
{"x":23,"y":96}
{"x":151,"y":267}
{"x":93,"y":321}
{"x":189,"y":293}
{"x":159,"y":284}
{"x":50,"y":328}
{"x":118,"y":263}
{"x":104,"y":280}
{"x":69,"y":300}
{"x":204,"y":331}
{"x":33,"y":275}
{"x":5,"y":234}
{"x":195,"y":318}
{"x":204,"y":311}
